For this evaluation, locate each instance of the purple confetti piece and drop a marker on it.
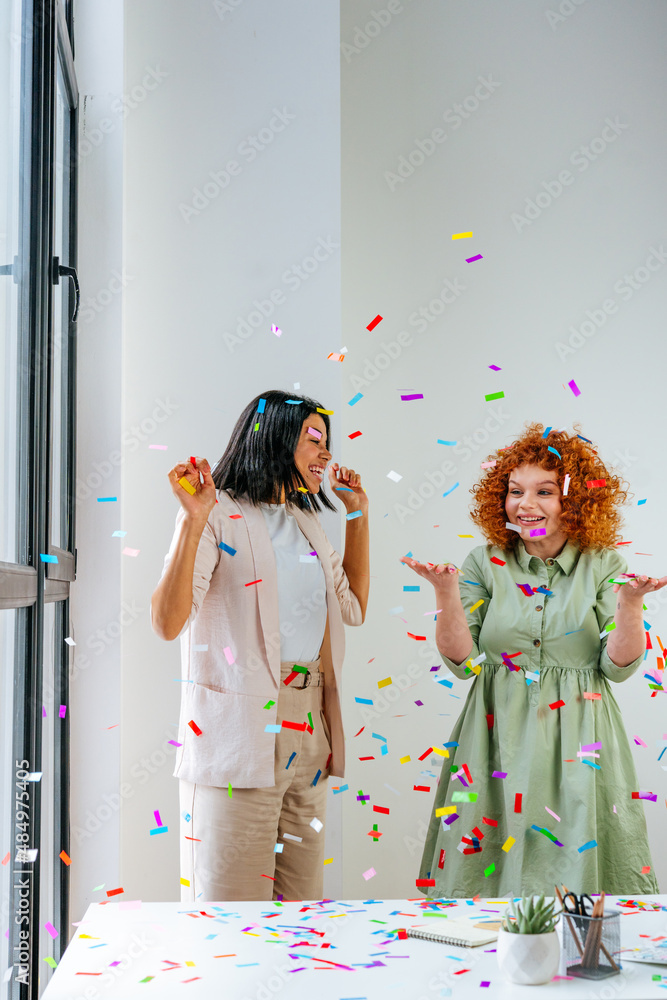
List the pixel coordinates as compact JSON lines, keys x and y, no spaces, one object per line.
{"x":469,"y":260}
{"x":62,"y":711}
{"x":495,"y":368}
{"x":415,"y":395}
{"x":574,"y":387}
{"x":499,"y":774}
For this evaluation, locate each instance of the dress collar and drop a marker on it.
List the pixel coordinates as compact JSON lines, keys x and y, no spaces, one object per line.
{"x":566,"y":559}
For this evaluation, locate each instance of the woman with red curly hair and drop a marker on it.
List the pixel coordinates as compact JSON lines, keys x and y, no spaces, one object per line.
{"x":540,"y":779}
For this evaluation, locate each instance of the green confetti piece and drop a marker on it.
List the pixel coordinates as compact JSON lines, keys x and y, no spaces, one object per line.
{"x":464,"y":797}
{"x":229,"y":789}
{"x":51,"y":961}
{"x":494,"y":395}
{"x":147,"y":979}
{"x":490,"y":870}
{"x":310,"y":721}
{"x":269,"y":704}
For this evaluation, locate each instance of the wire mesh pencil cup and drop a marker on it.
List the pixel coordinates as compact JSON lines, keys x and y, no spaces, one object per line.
{"x":591,"y":945}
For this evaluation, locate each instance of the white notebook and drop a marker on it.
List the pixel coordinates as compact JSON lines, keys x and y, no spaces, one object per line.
{"x":457,"y":932}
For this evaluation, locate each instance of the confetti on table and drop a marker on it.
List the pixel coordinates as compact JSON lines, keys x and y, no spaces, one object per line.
{"x":355,"y":399}
{"x":328,"y":413}
{"x":494,"y":395}
{"x":374,"y":322}
{"x":415,"y":395}
{"x":469,"y":260}
{"x":574,"y":387}
{"x":395,"y":476}
{"x":461,"y":236}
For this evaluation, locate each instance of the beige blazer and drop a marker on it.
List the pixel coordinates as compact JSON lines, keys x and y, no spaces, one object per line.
{"x":235,"y":619}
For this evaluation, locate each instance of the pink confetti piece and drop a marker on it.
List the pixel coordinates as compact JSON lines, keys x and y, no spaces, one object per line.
{"x":276,"y":329}
{"x":369,"y":874}
{"x":495,"y":368}
{"x":129,"y":904}
{"x":229,"y":655}
{"x":574,"y":387}
{"x":537,"y":531}
{"x":158,"y":821}
{"x":566,"y":484}
{"x":131,"y":552}
{"x":51,"y":929}
{"x":175,"y":744}
{"x":62,"y":711}
{"x":557,"y":818}
{"x":159,"y":447}
{"x":315,"y":433}
{"x":639,"y":741}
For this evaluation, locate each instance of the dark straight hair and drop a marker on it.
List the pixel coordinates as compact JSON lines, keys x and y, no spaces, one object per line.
{"x":258,"y":461}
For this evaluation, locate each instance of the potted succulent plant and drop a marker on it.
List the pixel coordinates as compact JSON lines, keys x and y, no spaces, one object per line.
{"x":528,"y":948}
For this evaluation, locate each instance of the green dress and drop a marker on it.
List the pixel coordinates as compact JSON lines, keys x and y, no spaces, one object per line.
{"x":513,"y":725}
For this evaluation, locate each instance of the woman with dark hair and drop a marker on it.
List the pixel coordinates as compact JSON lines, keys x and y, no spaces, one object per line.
{"x":540,"y":782}
{"x":259,"y":598}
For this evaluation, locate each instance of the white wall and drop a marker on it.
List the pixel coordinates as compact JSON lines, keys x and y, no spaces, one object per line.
{"x":554,"y":83}
{"x":198,"y":264}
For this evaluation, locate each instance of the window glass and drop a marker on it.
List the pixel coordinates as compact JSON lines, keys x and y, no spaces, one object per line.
{"x":7,"y":645}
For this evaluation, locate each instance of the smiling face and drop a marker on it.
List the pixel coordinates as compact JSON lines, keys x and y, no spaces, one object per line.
{"x":534,"y":502}
{"x":311,"y":456}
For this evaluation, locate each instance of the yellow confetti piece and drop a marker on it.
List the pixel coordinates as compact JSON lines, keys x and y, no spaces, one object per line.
{"x":187,"y":486}
{"x":466,"y":536}
{"x":445,"y":811}
{"x":440,"y":751}
{"x":328,"y":861}
{"x":476,"y":668}
{"x":185,"y":881}
{"x":384,"y":683}
{"x":302,"y":489}
{"x":475,"y":606}
{"x":509,"y":843}
{"x":461,"y":236}
{"x":92,"y":938}
{"x":404,"y":760}
{"x":329,"y":413}
{"x":189,"y":963}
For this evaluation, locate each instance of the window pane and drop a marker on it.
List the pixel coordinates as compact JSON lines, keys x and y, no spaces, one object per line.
{"x":7,"y":646}
{"x":62,"y":298}
{"x":10,"y":250}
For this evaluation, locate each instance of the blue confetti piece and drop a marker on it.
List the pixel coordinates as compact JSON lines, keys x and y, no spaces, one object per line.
{"x":555,"y":452}
{"x":272,"y":729}
{"x":343,"y":788}
{"x":353,"y":514}
{"x":453,"y":743}
{"x":261,"y":405}
{"x":316,"y":778}
{"x":107,"y":499}
{"x":546,"y":433}
{"x":384,"y":749}
{"x":294,"y":402}
{"x":451,"y":490}
{"x":474,"y":582}
{"x":355,"y":399}
{"x":447,"y":442}
{"x":119,"y":534}
{"x":376,"y":736}
{"x":591,"y":764}
{"x":640,"y":502}
{"x":411,"y":587}
{"x":291,"y":758}
{"x":590,"y":843}
{"x":227,"y":548}
{"x":364,"y":701}
{"x":445,"y":682}
{"x":647,"y":626}
{"x":159,"y":829}
{"x":583,"y":439}
{"x":47,"y":558}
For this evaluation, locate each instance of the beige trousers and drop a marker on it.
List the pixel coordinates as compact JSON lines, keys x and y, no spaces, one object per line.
{"x":228,"y":845}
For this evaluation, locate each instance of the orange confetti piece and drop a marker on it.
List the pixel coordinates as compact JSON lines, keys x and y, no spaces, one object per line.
{"x":65,"y":857}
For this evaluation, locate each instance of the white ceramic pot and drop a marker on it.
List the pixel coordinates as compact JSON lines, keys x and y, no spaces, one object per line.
{"x":528,"y":959}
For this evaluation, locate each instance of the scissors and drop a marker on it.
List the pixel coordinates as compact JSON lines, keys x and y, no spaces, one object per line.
{"x":578,"y":905}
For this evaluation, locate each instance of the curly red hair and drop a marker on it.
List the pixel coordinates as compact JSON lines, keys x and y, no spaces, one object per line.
{"x":590,"y":517}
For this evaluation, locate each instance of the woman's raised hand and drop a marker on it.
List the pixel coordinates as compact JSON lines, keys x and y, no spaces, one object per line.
{"x":198,"y":499}
{"x":443,"y":576}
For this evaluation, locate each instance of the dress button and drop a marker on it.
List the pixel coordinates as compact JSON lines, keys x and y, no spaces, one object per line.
{"x":539,"y":607}
{"x":550,"y":562}
{"x":536,"y":642}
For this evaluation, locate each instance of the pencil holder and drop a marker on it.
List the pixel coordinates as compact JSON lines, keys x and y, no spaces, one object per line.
{"x":591,"y":945}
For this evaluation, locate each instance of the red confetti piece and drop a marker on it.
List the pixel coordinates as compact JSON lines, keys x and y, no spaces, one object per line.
{"x":381,"y":809}
{"x":425,"y":881}
{"x":374,"y":833}
{"x":367,"y":758}
{"x":441,"y":859}
{"x":557,"y":704}
{"x":477,"y":833}
{"x":467,"y":773}
{"x":114,"y":892}
{"x":301,"y":726}
{"x":592,"y":696}
{"x":593,"y":484}
{"x":360,"y":732}
{"x":421,"y":638}
{"x":489,"y":721}
{"x":65,"y":858}
{"x":291,"y":677}
{"x":235,"y":516}
{"x":498,"y":562}
{"x":356,"y":434}
{"x":517,"y":802}
{"x":252,"y":582}
{"x":489,"y":822}
{"x":374,"y":322}
{"x":421,"y":788}
{"x":402,"y":934}
{"x":426,"y":753}
{"x":645,"y":870}
{"x":194,"y":727}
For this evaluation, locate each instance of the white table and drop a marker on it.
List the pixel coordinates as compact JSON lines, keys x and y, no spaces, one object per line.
{"x":243,"y":951}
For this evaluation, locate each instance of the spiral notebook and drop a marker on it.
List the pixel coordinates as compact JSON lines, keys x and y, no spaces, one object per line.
{"x":458,"y":932}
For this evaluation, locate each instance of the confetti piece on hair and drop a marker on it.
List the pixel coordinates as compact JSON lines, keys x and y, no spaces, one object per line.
{"x":329,"y":413}
{"x":489,"y":465}
{"x":374,"y":322}
{"x":509,"y":843}
{"x":575,"y":389}
{"x":395,"y":476}
{"x":187,"y":486}
{"x":594,"y":484}
{"x":415,"y":395}
{"x":587,"y":846}
{"x":469,"y":260}
{"x":461,"y":236}
{"x":295,"y":402}
{"x":355,"y":399}
{"x":450,"y":490}
{"x":494,"y":395}
{"x":555,"y":452}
